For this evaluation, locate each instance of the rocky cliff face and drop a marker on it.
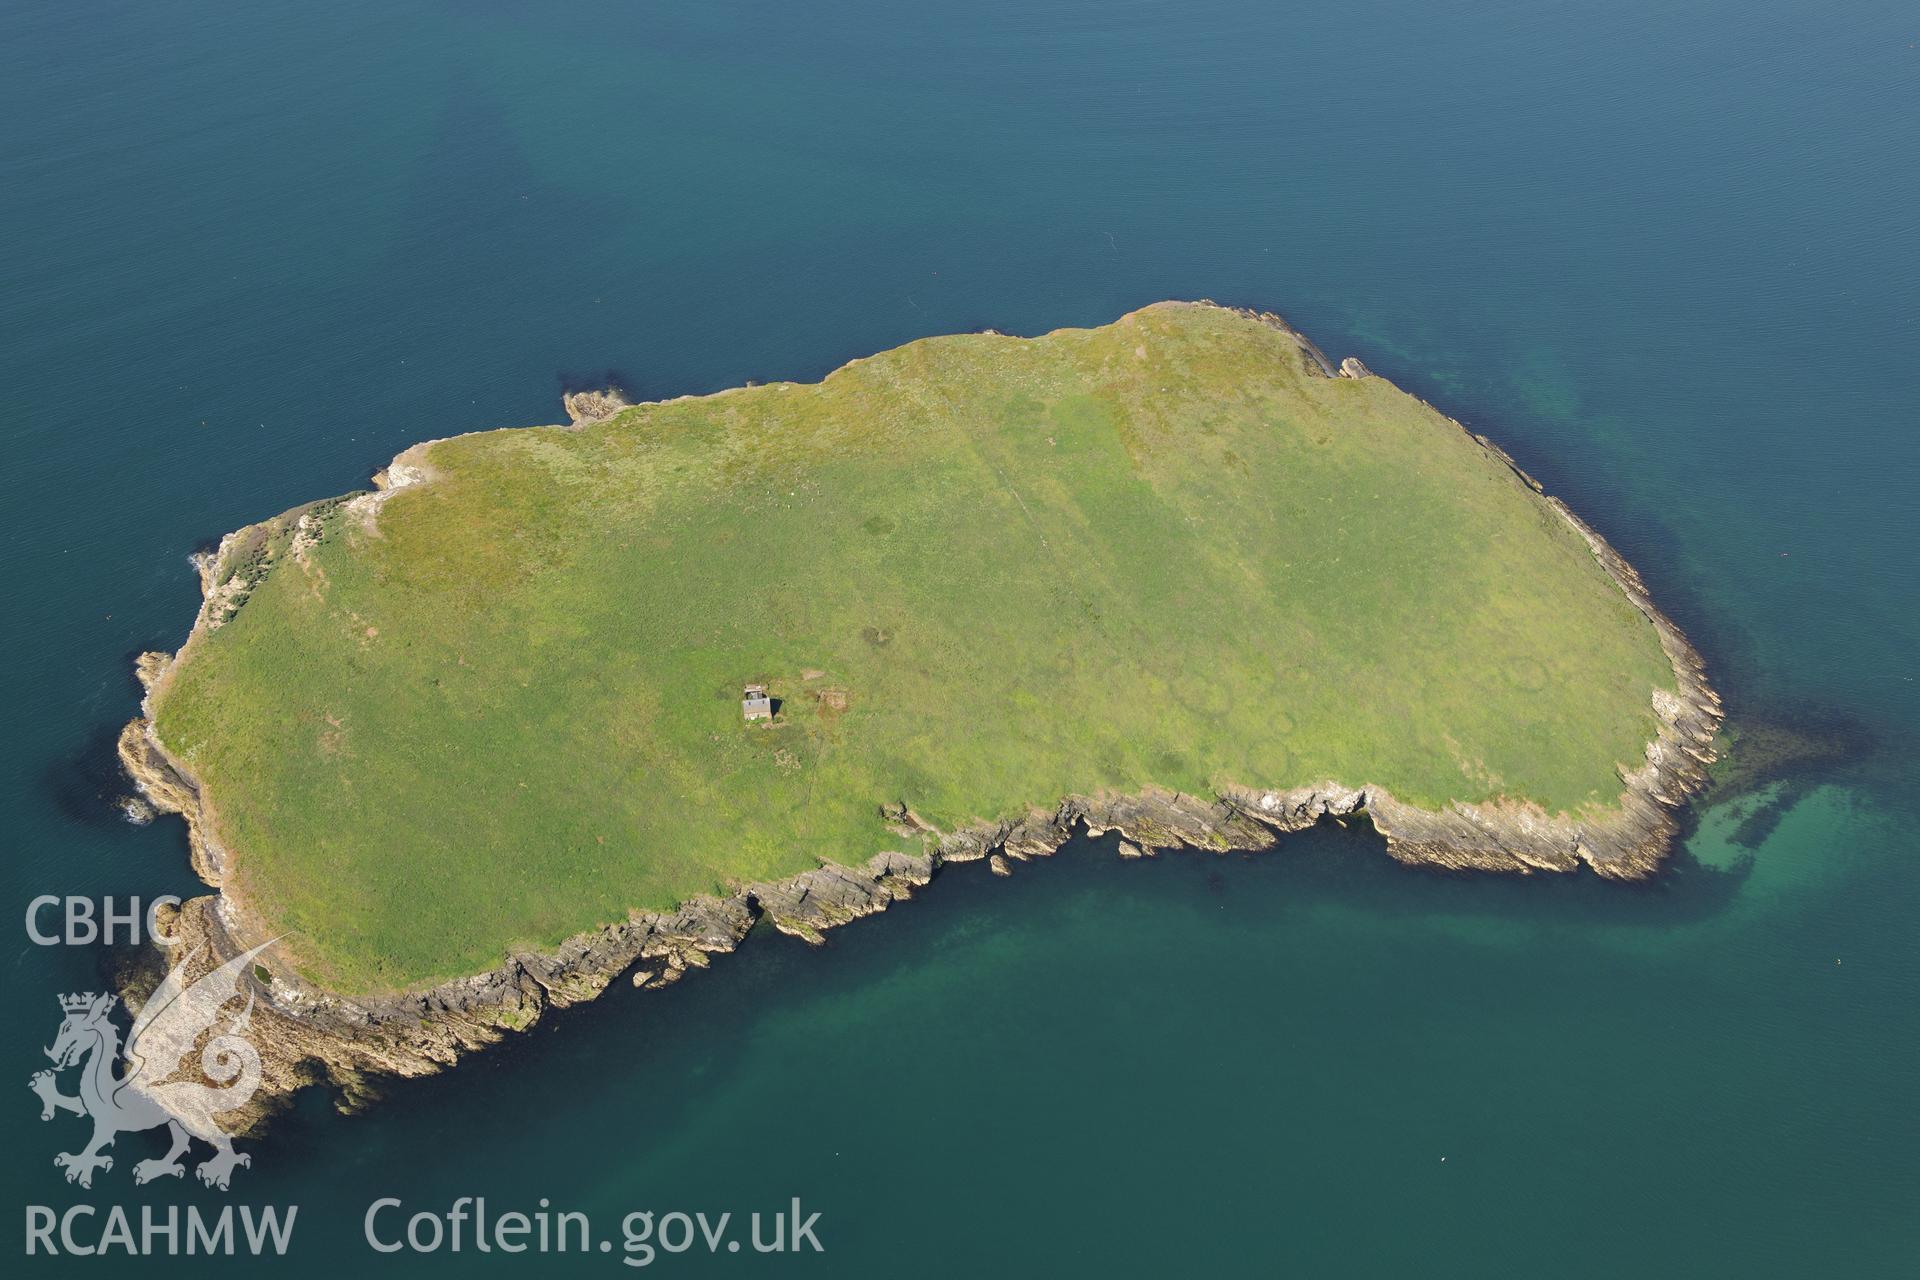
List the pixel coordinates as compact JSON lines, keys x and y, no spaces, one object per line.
{"x":310,"y":1036}
{"x":593,"y":406}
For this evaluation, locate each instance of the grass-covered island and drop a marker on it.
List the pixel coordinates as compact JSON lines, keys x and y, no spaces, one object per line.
{"x":1175,"y":576}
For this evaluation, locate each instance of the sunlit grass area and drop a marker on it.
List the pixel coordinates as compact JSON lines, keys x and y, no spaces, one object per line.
{"x":977,"y":572}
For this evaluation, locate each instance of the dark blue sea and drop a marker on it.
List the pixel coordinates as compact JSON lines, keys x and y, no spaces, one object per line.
{"x":1667,"y":254}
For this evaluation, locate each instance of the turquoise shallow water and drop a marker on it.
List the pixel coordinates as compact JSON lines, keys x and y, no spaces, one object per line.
{"x":1667,"y":258}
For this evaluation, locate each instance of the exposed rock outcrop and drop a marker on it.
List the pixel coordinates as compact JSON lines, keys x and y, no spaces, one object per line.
{"x":593,"y":406}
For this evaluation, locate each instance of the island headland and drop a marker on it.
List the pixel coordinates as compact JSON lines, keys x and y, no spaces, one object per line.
{"x":471,"y":743}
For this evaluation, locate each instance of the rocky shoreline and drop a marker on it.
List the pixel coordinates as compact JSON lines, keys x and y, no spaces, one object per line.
{"x":307,"y":1036}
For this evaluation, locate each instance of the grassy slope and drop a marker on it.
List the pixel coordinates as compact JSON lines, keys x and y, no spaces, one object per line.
{"x":1156,"y":552}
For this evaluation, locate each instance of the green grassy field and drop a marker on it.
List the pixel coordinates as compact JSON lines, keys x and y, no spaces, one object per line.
{"x":980,"y":572}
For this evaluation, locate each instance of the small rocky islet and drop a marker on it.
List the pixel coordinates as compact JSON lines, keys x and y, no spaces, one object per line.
{"x":472,"y":744}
